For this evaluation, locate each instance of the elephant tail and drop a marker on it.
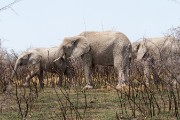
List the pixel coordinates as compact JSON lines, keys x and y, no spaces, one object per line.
{"x":130,"y":51}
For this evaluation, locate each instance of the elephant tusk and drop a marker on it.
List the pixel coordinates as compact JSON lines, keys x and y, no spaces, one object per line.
{"x":56,"y":59}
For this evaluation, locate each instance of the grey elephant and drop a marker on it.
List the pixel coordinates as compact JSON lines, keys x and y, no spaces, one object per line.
{"x":99,"y":48}
{"x":42,"y":59}
{"x":153,"y":51}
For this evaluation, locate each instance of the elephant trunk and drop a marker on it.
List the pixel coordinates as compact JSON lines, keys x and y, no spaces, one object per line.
{"x":59,"y":54}
{"x":15,"y":68}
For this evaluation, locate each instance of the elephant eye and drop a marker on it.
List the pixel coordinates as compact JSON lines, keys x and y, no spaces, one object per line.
{"x":68,"y":46}
{"x":62,"y":59}
{"x":21,"y":63}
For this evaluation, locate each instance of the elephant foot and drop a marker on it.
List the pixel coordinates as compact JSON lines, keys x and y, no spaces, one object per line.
{"x":74,"y":85}
{"x":147,"y":84}
{"x":8,"y":89}
{"x":88,"y":87}
{"x":42,"y":85}
{"x":122,"y":87}
{"x":26,"y":84}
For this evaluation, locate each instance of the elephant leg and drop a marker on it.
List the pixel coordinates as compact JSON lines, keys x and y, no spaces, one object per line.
{"x":32,"y":74}
{"x":120,"y":66}
{"x":87,"y":62}
{"x":40,"y":77}
{"x":155,"y":76}
{"x":60,"y":80}
{"x":147,"y":71}
{"x":70,"y":73}
{"x":127,"y":69}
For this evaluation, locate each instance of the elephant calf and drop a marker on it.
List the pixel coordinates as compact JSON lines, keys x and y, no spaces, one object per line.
{"x":99,"y":48}
{"x":42,"y":59}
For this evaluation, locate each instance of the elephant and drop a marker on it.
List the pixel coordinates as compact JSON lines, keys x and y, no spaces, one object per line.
{"x":42,"y":59}
{"x":108,"y":48}
{"x":151,"y":51}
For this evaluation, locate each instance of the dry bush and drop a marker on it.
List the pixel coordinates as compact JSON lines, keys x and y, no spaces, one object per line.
{"x":5,"y":68}
{"x":138,"y":100}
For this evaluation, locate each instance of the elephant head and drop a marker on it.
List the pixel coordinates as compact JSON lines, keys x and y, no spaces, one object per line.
{"x":139,"y":50}
{"x":73,"y":47}
{"x":26,"y":58}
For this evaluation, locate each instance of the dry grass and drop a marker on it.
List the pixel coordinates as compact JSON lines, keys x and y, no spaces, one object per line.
{"x":96,"y":104}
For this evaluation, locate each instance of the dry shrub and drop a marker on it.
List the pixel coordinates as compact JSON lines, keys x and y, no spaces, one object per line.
{"x":139,"y":100}
{"x":5,"y":68}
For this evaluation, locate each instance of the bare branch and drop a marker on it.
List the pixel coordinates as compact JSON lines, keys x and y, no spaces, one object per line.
{"x":9,"y":5}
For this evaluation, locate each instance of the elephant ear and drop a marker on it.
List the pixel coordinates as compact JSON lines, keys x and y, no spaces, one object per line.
{"x":60,"y":53}
{"x":23,"y":59}
{"x":81,"y":46}
{"x":142,"y":50}
{"x":35,"y":58}
{"x":31,"y":57}
{"x":135,"y":47}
